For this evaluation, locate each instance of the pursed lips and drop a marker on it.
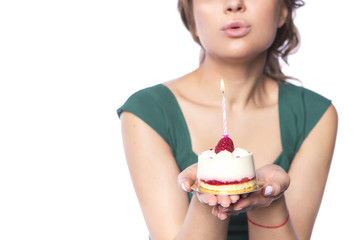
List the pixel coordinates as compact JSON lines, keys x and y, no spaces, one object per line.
{"x":236,"y":29}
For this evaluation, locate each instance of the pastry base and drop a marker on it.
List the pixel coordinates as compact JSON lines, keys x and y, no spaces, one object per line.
{"x":229,"y":189}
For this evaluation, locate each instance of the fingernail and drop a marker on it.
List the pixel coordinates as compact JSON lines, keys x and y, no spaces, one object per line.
{"x":212,"y":203}
{"x":268,"y":191}
{"x":183,"y":187}
{"x":222,"y":217}
{"x":234,"y":199}
{"x":237,"y":209}
{"x":225,"y":206}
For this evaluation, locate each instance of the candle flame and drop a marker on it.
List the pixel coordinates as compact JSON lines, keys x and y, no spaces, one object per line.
{"x":222,"y":86}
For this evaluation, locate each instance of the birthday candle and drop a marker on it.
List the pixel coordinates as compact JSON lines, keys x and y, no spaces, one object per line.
{"x":224,"y":107}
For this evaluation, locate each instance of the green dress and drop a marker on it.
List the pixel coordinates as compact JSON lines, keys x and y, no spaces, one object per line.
{"x":299,"y":111}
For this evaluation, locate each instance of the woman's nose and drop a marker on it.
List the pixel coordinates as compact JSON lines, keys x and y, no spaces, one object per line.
{"x":233,"y":6}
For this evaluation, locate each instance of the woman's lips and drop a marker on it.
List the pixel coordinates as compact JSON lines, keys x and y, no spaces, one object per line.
{"x":236,"y":29}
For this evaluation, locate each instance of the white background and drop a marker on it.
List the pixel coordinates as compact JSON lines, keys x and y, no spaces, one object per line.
{"x":66,"y":66}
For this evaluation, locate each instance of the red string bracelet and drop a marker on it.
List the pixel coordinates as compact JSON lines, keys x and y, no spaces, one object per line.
{"x":287,"y":219}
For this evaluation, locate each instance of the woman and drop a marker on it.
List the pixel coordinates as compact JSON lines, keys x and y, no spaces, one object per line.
{"x":290,"y":130}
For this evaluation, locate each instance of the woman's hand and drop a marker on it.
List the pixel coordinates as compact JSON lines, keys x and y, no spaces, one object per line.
{"x":189,"y":176}
{"x":276,"y":181}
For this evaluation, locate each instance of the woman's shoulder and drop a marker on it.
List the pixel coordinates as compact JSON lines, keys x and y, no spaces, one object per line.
{"x":153,"y":105}
{"x":294,"y":96}
{"x":153,"y":96}
{"x":294,"y":93}
{"x":156,"y":91}
{"x":160,"y":91}
{"x":301,"y":108}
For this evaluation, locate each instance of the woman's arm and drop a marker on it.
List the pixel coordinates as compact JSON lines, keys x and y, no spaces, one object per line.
{"x":167,"y":211}
{"x":308,"y":173}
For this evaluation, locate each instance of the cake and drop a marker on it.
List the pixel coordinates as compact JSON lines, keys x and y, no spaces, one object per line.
{"x":226,"y":170}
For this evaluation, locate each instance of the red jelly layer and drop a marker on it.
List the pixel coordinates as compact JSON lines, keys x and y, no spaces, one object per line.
{"x":216,"y":182}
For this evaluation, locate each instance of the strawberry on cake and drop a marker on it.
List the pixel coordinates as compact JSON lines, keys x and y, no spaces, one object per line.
{"x":226,"y":170}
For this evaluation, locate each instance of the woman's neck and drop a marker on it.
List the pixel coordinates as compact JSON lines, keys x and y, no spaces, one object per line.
{"x":245,"y":83}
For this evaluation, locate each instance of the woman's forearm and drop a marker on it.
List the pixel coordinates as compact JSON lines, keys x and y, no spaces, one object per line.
{"x":274,"y":217}
{"x":201,"y":224}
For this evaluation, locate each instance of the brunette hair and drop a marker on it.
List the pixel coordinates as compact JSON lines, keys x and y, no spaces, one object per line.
{"x":286,"y":41}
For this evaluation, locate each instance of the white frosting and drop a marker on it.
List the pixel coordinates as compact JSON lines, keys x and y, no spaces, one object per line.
{"x":226,"y":166}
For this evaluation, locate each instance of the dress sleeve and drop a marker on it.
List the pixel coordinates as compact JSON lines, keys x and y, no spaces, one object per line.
{"x":315,"y":106}
{"x":146,"y":105}
{"x":300,"y":110}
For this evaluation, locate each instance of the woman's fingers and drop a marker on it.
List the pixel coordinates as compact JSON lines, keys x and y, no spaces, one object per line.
{"x":223,"y":215}
{"x":215,"y":210}
{"x":234,"y":198}
{"x":245,"y":204}
{"x":187,"y":177}
{"x":208,"y":199}
{"x":224,"y":200}
{"x":275,"y":178}
{"x":276,"y":182}
{"x":212,"y":200}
